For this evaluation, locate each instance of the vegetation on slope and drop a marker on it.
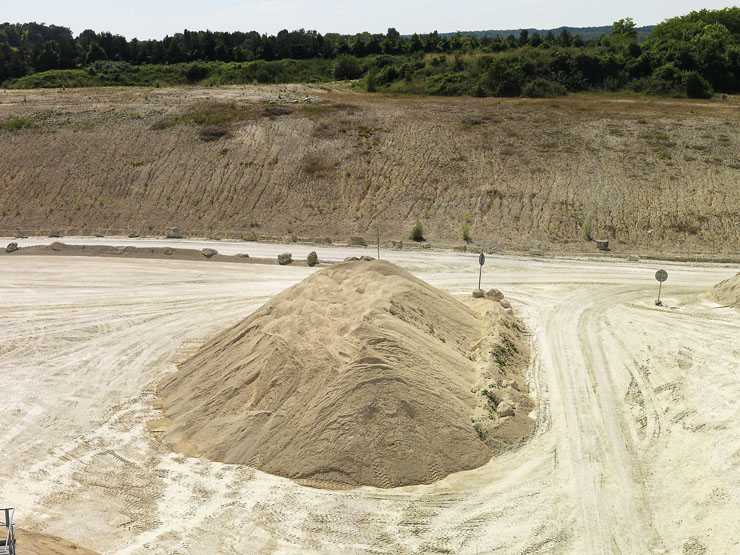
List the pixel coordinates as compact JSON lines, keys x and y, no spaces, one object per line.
{"x":693,"y":56}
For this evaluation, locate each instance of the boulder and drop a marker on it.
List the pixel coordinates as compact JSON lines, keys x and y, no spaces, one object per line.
{"x":511,"y":383}
{"x":351,"y":259}
{"x":322,"y":240}
{"x":312,"y":259}
{"x":55,"y":234}
{"x":367,"y":258}
{"x":505,"y":303}
{"x":509,"y":311}
{"x":208,"y":253}
{"x":133,"y":235}
{"x":12,"y":247}
{"x":536,"y":252}
{"x":242,"y":255}
{"x":426,"y":245}
{"x":504,"y":409}
{"x":396,"y":245}
{"x":478,"y":294}
{"x":285,"y":258}
{"x":602,"y":244}
{"x":494,"y":295}
{"x":167,"y":250}
{"x":357,"y":242}
{"x":463,"y":248}
{"x":56,"y":246}
{"x":174,"y":233}
{"x":633,"y":258}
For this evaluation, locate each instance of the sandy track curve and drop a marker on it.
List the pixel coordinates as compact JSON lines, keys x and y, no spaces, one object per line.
{"x":637,"y":448}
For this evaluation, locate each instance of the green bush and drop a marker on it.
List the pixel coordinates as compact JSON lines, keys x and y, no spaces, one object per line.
{"x":16,"y":124}
{"x":417,"y":232}
{"x":347,"y":67}
{"x":466,"y":232}
{"x":697,"y":86}
{"x":542,"y":88}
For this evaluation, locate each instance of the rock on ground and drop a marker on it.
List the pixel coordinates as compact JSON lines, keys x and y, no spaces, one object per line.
{"x":285,"y":258}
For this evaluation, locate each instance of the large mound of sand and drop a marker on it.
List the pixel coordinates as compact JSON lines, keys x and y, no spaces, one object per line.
{"x":728,"y":291}
{"x":359,"y":375}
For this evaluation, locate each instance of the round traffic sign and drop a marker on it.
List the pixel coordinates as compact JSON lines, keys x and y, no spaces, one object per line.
{"x":482,"y":259}
{"x":661,"y":275}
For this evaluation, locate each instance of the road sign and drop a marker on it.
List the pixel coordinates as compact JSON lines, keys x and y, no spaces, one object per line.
{"x":481,"y":261}
{"x":661,"y":276}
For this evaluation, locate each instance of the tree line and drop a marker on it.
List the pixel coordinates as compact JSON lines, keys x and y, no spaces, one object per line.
{"x":692,"y":55}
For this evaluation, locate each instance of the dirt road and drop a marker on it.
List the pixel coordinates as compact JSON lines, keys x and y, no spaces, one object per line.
{"x":637,"y":448}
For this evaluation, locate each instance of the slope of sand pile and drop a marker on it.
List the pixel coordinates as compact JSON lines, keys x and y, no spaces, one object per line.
{"x":728,"y":292}
{"x":359,"y":375}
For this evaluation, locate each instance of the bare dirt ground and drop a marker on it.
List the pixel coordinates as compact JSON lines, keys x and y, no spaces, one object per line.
{"x":649,"y":175}
{"x":637,"y":448}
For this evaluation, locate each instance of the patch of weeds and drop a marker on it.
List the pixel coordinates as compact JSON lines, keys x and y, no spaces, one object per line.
{"x":504,"y":352}
{"x":417,"y":232}
{"x":16,"y":124}
{"x":316,"y":164}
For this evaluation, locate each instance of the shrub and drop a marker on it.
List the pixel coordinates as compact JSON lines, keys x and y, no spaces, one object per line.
{"x":542,"y":88}
{"x":347,"y":67}
{"x":697,"y":86}
{"x":196,"y":72}
{"x":587,"y":230}
{"x":466,"y":232}
{"x":16,"y":124}
{"x":417,"y":232}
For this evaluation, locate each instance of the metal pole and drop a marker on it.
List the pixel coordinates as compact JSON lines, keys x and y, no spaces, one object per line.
{"x":660,"y":288}
{"x":480,"y":273}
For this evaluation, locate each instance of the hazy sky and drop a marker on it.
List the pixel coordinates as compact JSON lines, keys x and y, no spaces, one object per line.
{"x":156,"y":18}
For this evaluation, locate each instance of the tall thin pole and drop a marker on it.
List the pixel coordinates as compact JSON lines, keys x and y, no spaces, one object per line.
{"x":378,"y":230}
{"x":480,"y":273}
{"x":660,"y":288}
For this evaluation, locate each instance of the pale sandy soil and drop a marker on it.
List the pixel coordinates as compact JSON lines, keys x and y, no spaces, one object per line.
{"x":637,"y":448}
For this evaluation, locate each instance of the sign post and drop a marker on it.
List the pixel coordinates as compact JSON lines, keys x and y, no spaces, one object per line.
{"x":661,"y":276}
{"x":378,"y":230}
{"x":481,"y":261}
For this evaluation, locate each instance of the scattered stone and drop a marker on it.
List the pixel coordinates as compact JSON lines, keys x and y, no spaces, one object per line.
{"x":174,"y":233}
{"x":478,"y":294}
{"x":56,"y":246}
{"x":312,"y":259}
{"x":602,"y":244}
{"x":55,"y":234}
{"x":168,"y":251}
{"x":426,"y":245}
{"x":395,"y":245}
{"x":357,"y":242}
{"x":12,"y":247}
{"x":133,"y":235}
{"x":505,"y":303}
{"x":242,"y":255}
{"x":208,"y":253}
{"x":633,"y":258}
{"x":367,"y":258}
{"x":351,"y":259}
{"x":322,"y":240}
{"x":285,"y":258}
{"x":494,"y":295}
{"x":463,"y":248}
{"x":511,"y":383}
{"x":537,"y":252}
{"x":504,"y":409}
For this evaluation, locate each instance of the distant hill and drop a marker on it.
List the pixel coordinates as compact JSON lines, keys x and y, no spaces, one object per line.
{"x":587,"y":33}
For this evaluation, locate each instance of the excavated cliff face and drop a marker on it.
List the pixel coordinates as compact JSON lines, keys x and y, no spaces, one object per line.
{"x":653,"y":174}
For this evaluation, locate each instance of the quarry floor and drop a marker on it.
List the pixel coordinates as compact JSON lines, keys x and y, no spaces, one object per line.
{"x":637,"y":448}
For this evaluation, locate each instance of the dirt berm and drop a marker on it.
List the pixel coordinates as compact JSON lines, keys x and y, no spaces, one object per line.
{"x":359,"y":375}
{"x":728,"y":291}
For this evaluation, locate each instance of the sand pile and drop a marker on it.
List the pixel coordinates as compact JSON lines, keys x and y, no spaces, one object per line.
{"x":359,"y":375}
{"x":728,"y":291}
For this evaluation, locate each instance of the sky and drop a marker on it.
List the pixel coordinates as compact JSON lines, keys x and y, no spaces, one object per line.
{"x":147,"y":19}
